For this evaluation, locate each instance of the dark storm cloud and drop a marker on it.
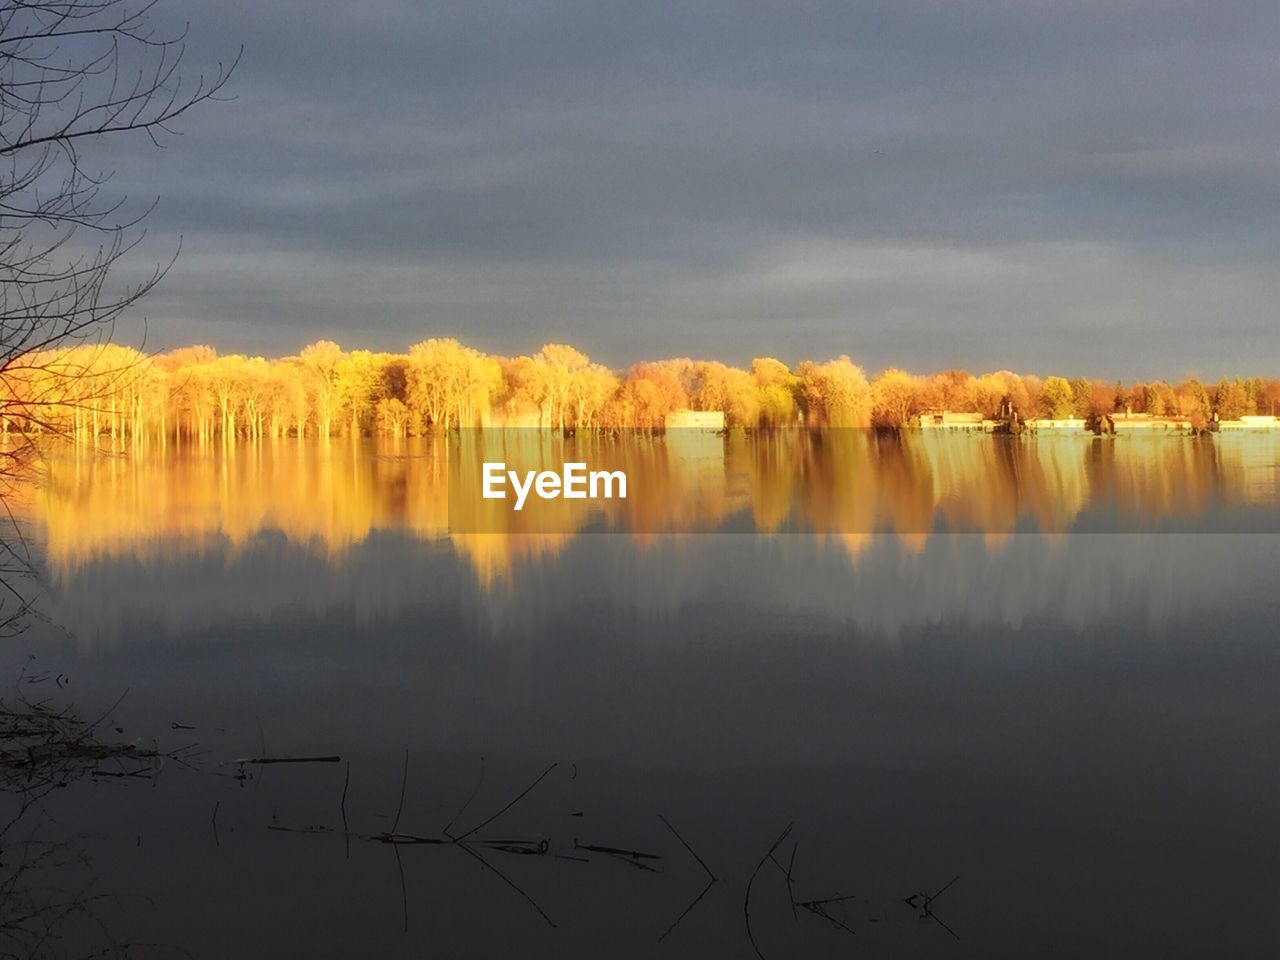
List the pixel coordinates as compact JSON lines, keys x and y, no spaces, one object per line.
{"x":1091,"y":185}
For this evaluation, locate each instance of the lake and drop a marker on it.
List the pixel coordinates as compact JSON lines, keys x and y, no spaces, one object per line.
{"x":795,"y":696}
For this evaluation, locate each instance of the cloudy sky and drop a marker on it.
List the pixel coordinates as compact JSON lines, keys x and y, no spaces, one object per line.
{"x":1058,"y":187}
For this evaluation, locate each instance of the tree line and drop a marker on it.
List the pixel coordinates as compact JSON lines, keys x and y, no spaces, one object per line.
{"x":195,"y":395}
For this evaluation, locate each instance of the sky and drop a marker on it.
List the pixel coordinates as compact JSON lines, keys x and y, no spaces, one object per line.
{"x":1053,"y":187}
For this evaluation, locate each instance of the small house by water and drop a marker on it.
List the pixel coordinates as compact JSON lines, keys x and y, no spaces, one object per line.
{"x":955,"y":420}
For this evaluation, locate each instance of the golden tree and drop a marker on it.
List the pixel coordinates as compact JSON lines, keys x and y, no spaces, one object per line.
{"x":776,"y":390}
{"x":836,"y":393}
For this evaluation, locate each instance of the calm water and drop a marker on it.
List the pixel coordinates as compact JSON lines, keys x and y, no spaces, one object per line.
{"x":1082,"y":727}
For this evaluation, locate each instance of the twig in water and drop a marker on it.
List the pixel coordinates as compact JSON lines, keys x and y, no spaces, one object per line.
{"x":527,"y":847}
{"x":394,"y":836}
{"x":788,"y":872}
{"x":520,"y":796}
{"x":262,"y":748}
{"x":689,"y":909}
{"x":311,"y":829}
{"x":404,"y":782}
{"x":266,"y":760}
{"x":616,"y":851}
{"x":684,"y":843}
{"x":346,"y":831}
{"x":474,"y":790}
{"x":746,"y":900}
{"x":404,"y":891}
{"x":819,"y":909}
{"x":925,"y":905}
{"x":140,"y":774}
{"x":632,"y":858}
{"x":471,"y":852}
{"x":407,"y":839}
{"x":711,"y":879}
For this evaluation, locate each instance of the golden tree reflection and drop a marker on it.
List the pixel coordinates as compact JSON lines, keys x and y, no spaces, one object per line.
{"x":848,"y":484}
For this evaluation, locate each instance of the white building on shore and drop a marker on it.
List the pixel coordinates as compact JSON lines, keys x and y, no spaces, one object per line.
{"x":1146,"y":423}
{"x":952,"y":420}
{"x":1252,"y":423}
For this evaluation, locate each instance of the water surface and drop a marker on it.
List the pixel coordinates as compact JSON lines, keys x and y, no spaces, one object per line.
{"x":1080,"y":726}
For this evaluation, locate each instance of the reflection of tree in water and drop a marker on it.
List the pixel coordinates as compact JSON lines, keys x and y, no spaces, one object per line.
{"x":847,"y":483}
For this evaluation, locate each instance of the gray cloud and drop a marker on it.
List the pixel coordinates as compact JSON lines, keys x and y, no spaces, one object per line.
{"x":1036,"y":185}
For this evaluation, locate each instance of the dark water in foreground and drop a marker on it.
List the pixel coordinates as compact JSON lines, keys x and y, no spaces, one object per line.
{"x":1082,"y":728}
